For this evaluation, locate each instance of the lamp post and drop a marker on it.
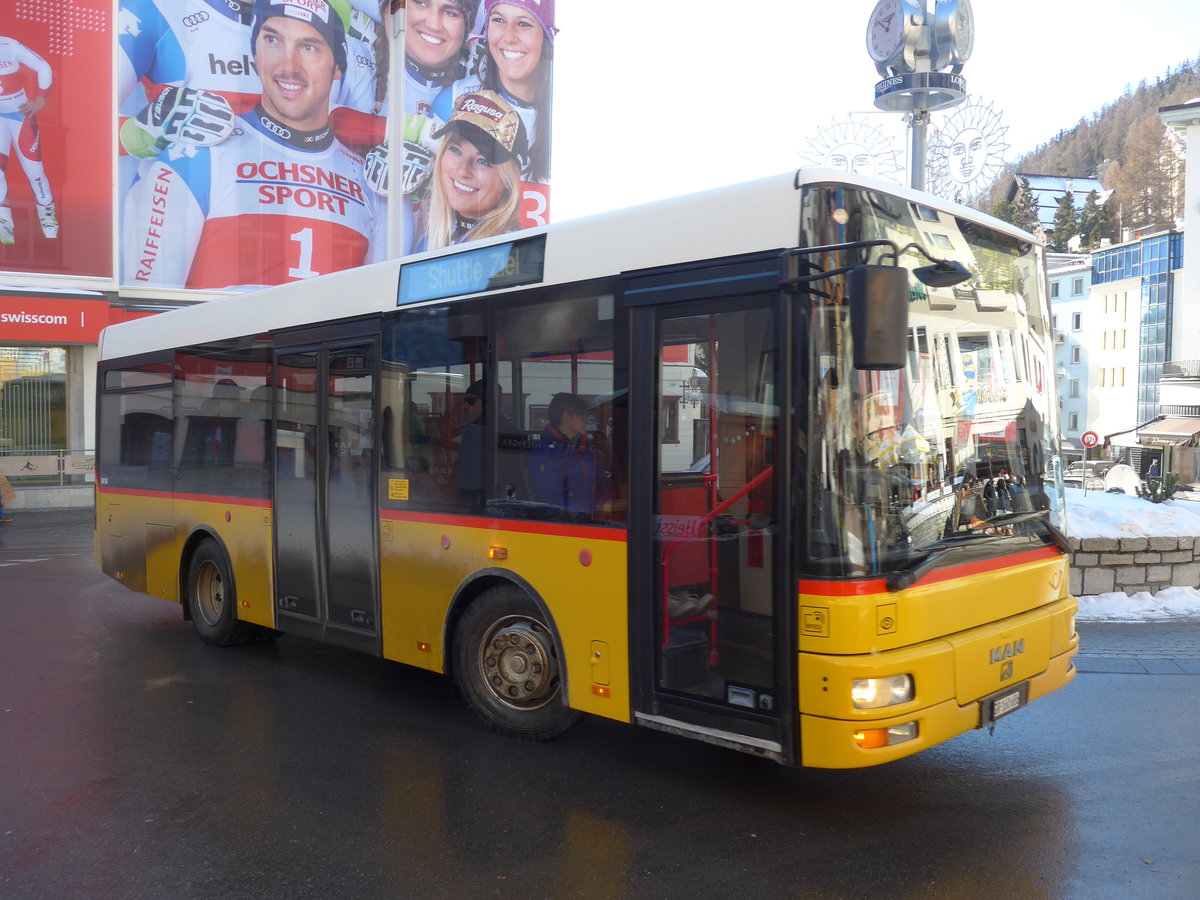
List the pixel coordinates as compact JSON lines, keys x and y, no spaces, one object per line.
{"x":920,"y":58}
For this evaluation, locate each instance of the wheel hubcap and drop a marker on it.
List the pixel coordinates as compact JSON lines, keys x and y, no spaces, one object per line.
{"x":210,"y":593}
{"x":517,"y":663}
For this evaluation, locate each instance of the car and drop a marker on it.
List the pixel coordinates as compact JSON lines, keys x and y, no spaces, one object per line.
{"x":1087,"y":474}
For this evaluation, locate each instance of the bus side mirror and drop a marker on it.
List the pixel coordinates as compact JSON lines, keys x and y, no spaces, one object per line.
{"x":879,"y":316}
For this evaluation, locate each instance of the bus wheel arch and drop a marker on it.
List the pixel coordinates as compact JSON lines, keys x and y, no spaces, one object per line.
{"x":194,"y":540}
{"x":210,"y":593}
{"x":506,"y":661}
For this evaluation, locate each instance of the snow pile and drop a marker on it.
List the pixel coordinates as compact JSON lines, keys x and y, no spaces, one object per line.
{"x":1092,"y":514}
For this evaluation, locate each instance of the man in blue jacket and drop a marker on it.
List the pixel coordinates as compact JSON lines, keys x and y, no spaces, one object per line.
{"x":564,"y":468}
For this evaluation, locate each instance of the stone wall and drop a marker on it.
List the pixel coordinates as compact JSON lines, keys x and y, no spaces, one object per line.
{"x":1131,"y":565}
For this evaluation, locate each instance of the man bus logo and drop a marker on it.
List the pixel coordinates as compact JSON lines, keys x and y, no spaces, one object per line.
{"x":1005,"y":655}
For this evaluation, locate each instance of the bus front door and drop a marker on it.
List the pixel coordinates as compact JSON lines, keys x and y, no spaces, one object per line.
{"x":714,"y":620}
{"x":326,"y":555}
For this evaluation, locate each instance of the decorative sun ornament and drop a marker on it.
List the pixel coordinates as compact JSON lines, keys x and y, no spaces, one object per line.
{"x":967,"y":152}
{"x":854,"y":146}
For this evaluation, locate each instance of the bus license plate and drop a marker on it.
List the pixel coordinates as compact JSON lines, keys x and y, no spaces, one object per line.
{"x":999,"y":705}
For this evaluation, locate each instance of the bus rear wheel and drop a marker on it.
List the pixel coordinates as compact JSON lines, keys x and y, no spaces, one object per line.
{"x":212,"y":598}
{"x":507,"y":666}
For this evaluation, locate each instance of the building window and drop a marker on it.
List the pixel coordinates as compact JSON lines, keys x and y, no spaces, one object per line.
{"x":1076,"y":321}
{"x":1074,"y":387}
{"x":1077,"y":286}
{"x":1053,"y":290}
{"x":1075,"y":354}
{"x":940,"y":240}
{"x":33,"y":403}
{"x":1074,"y":421}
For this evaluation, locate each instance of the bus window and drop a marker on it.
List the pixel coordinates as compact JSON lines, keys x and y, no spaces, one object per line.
{"x":136,"y":417}
{"x":560,"y":389}
{"x":434,"y":409}
{"x":222,"y":419}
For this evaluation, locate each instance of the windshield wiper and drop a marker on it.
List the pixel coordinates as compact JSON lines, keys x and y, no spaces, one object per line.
{"x":938,"y":550}
{"x":1006,"y":519}
{"x":1014,"y":517}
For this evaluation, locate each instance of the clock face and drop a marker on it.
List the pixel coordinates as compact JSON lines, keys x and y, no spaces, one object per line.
{"x":964,"y":30}
{"x":953,"y":33}
{"x":885,"y":30}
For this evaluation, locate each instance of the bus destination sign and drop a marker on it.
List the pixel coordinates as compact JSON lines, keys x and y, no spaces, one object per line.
{"x":473,"y":271}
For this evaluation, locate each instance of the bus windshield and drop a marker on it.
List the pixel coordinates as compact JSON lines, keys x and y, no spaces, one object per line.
{"x":960,"y":444}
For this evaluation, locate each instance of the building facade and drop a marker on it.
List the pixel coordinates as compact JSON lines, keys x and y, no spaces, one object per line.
{"x":1068,"y":278}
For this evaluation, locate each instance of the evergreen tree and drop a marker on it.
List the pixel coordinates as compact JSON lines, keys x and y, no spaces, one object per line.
{"x":1066,"y":222}
{"x":1004,"y":210}
{"x":1025,"y":208}
{"x":1094,"y":224}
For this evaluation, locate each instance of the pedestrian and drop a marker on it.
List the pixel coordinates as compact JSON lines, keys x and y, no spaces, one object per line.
{"x":989,"y":497}
{"x":1003,"y":494}
{"x":1155,"y":470}
{"x":7,"y":495}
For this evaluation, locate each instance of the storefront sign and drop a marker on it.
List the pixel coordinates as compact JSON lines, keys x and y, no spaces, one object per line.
{"x":56,"y":320}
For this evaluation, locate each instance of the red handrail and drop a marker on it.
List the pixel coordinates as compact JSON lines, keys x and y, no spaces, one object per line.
{"x":669,"y":548}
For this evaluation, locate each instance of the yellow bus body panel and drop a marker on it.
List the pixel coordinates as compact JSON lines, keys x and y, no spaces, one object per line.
{"x":245,"y":530}
{"x":962,"y":640}
{"x":141,"y":538}
{"x":581,"y":578}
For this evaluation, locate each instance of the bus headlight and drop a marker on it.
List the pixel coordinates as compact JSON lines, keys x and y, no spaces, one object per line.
{"x":872,"y":693}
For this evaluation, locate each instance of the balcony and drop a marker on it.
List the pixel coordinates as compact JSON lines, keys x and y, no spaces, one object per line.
{"x":1186,"y":368}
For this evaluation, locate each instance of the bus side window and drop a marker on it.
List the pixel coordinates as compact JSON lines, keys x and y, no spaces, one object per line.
{"x":557,"y":375}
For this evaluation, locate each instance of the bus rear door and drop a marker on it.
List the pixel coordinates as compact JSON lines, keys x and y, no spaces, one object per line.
{"x":326,"y":546}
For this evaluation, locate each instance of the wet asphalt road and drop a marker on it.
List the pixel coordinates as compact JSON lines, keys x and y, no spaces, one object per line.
{"x":136,"y":761}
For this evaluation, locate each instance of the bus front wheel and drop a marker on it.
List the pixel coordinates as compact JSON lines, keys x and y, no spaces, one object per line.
{"x":507,"y":666}
{"x":212,"y":599}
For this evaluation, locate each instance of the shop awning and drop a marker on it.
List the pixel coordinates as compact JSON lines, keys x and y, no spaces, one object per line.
{"x":1169,"y":433}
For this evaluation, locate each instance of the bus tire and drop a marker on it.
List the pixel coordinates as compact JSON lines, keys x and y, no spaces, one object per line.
{"x":212,"y":598}
{"x":506,"y":666}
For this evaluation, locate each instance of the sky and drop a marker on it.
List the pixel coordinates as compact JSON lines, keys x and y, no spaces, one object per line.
{"x":1097,"y":514}
{"x":680,"y":96}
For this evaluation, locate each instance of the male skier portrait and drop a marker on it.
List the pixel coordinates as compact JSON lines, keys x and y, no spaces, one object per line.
{"x":19,"y":134}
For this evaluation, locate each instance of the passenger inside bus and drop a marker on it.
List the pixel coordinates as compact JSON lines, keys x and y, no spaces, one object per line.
{"x":471,"y":468}
{"x":569,"y":468}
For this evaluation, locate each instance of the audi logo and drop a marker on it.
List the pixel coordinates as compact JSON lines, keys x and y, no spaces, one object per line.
{"x":195,"y":19}
{"x":275,"y":127}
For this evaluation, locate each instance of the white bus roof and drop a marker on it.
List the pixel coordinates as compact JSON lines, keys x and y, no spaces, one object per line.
{"x":743,"y":218}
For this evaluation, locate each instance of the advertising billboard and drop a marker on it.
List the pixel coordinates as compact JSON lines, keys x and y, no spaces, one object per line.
{"x":56,"y":131}
{"x":477,"y":119}
{"x":244,"y":131}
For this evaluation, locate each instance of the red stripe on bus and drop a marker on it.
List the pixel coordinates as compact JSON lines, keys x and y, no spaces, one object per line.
{"x":203,"y":498}
{"x":862,"y":587}
{"x":590,"y":532}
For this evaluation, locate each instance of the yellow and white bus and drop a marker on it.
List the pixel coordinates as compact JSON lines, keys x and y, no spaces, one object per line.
{"x":773,"y":466}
